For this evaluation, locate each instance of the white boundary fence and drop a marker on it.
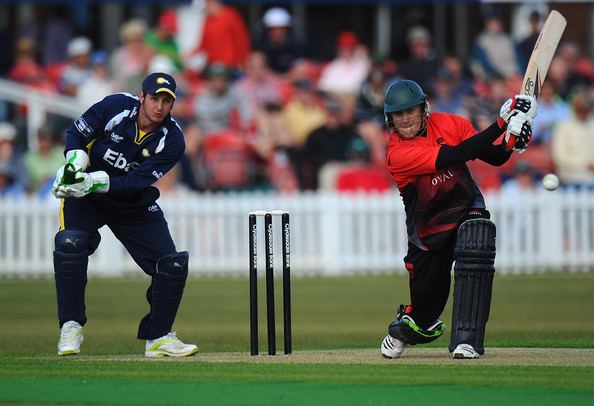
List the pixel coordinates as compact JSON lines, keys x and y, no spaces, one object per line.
{"x":331,"y":234}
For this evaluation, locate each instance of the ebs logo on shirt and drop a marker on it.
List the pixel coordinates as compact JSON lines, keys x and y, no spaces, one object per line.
{"x":118,"y":161}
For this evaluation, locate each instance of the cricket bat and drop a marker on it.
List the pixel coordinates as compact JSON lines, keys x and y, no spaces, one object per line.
{"x":543,"y":53}
{"x":540,"y":59}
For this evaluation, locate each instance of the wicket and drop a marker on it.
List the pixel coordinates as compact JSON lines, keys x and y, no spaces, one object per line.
{"x":269,"y":254}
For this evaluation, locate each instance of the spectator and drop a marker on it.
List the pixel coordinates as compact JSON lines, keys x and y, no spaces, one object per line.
{"x":304,"y":69}
{"x":303,"y":112}
{"x":558,"y":76}
{"x":494,"y":51}
{"x":50,"y":27}
{"x":162,"y":38}
{"x":259,"y":85}
{"x":99,"y":84}
{"x":329,"y":143}
{"x":573,"y":142}
{"x":422,"y":63}
{"x":495,"y":95}
{"x":345,"y":74}
{"x":190,"y":22}
{"x":42,"y":165}
{"x":527,"y":44}
{"x":443,"y":99}
{"x":551,"y":111}
{"x":9,"y":188}
{"x":460,"y":79}
{"x":129,"y":62}
{"x":370,"y":103}
{"x":370,"y":113}
{"x":78,"y":71}
{"x":522,"y":183}
{"x":580,"y":69}
{"x":277,"y":42}
{"x":225,"y":39}
{"x":358,"y":174}
{"x":10,"y":157}
{"x":221,"y":107}
{"x":26,"y":70}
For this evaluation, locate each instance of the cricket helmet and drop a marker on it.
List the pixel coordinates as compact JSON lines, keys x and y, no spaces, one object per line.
{"x":401,"y":95}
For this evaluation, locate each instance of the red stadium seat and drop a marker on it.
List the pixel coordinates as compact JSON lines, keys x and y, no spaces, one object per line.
{"x":365,"y":179}
{"x":229,"y":160}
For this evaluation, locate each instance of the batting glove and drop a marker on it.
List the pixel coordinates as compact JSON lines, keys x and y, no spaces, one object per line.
{"x":518,"y":104}
{"x":519,"y":133}
{"x":85,"y":183}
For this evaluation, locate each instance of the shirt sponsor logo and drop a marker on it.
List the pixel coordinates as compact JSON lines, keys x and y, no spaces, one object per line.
{"x":116,"y":138}
{"x":153,"y":208}
{"x":83,"y":127}
{"x":442,"y":177}
{"x":118,"y":161}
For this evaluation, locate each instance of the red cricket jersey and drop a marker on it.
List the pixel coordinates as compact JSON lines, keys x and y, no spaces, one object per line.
{"x":436,"y":201}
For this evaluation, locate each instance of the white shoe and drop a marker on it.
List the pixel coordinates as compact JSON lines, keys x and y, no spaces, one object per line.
{"x":465,"y":351}
{"x":391,"y":347}
{"x":71,"y":337}
{"x":169,"y":346}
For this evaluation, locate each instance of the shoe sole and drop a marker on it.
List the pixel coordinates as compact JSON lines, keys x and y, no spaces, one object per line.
{"x":69,"y":352}
{"x":390,"y":357}
{"x":462,"y":356}
{"x":161,"y":354}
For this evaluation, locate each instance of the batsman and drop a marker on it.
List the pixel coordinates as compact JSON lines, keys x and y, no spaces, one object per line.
{"x":446,"y":217}
{"x":114,"y":152}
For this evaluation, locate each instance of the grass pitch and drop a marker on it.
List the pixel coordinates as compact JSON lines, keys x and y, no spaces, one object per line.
{"x":540,"y":347}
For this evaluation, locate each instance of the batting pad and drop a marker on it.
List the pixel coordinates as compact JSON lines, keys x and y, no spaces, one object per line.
{"x":473,"y":282}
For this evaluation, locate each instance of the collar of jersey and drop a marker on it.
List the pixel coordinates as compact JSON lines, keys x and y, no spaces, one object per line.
{"x":138,"y":138}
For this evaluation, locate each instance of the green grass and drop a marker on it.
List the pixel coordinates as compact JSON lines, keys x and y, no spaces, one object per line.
{"x":545,"y":310}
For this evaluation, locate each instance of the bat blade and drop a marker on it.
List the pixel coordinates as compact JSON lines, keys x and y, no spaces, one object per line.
{"x":543,"y":52}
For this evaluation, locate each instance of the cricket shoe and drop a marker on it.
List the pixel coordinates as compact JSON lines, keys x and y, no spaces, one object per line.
{"x":169,"y":346}
{"x":465,"y":351}
{"x":71,"y":337}
{"x":391,"y":347}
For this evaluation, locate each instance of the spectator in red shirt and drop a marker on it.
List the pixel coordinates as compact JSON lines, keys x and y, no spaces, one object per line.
{"x":26,"y":70}
{"x":225,"y":38}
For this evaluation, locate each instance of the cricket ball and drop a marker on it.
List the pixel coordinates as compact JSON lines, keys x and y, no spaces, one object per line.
{"x":550,"y":181}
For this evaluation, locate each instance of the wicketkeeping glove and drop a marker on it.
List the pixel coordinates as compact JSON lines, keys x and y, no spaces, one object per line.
{"x":518,"y":104}
{"x":519,"y":133}
{"x":85,"y":183}
{"x":77,"y":160}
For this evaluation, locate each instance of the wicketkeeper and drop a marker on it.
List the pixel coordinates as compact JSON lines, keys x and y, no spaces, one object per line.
{"x":115,"y":151}
{"x":446,"y":217}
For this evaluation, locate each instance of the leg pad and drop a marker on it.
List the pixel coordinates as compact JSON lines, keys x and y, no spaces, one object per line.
{"x":71,"y":258}
{"x":164,"y":295}
{"x":473,"y":281}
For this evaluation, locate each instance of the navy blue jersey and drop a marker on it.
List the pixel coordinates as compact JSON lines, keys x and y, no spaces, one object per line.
{"x":108,"y":131}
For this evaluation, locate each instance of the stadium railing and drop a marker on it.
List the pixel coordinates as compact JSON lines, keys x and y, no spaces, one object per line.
{"x":37,"y":104}
{"x":332,"y":234}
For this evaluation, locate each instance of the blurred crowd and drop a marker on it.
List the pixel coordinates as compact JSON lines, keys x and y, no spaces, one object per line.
{"x":258,"y":114}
